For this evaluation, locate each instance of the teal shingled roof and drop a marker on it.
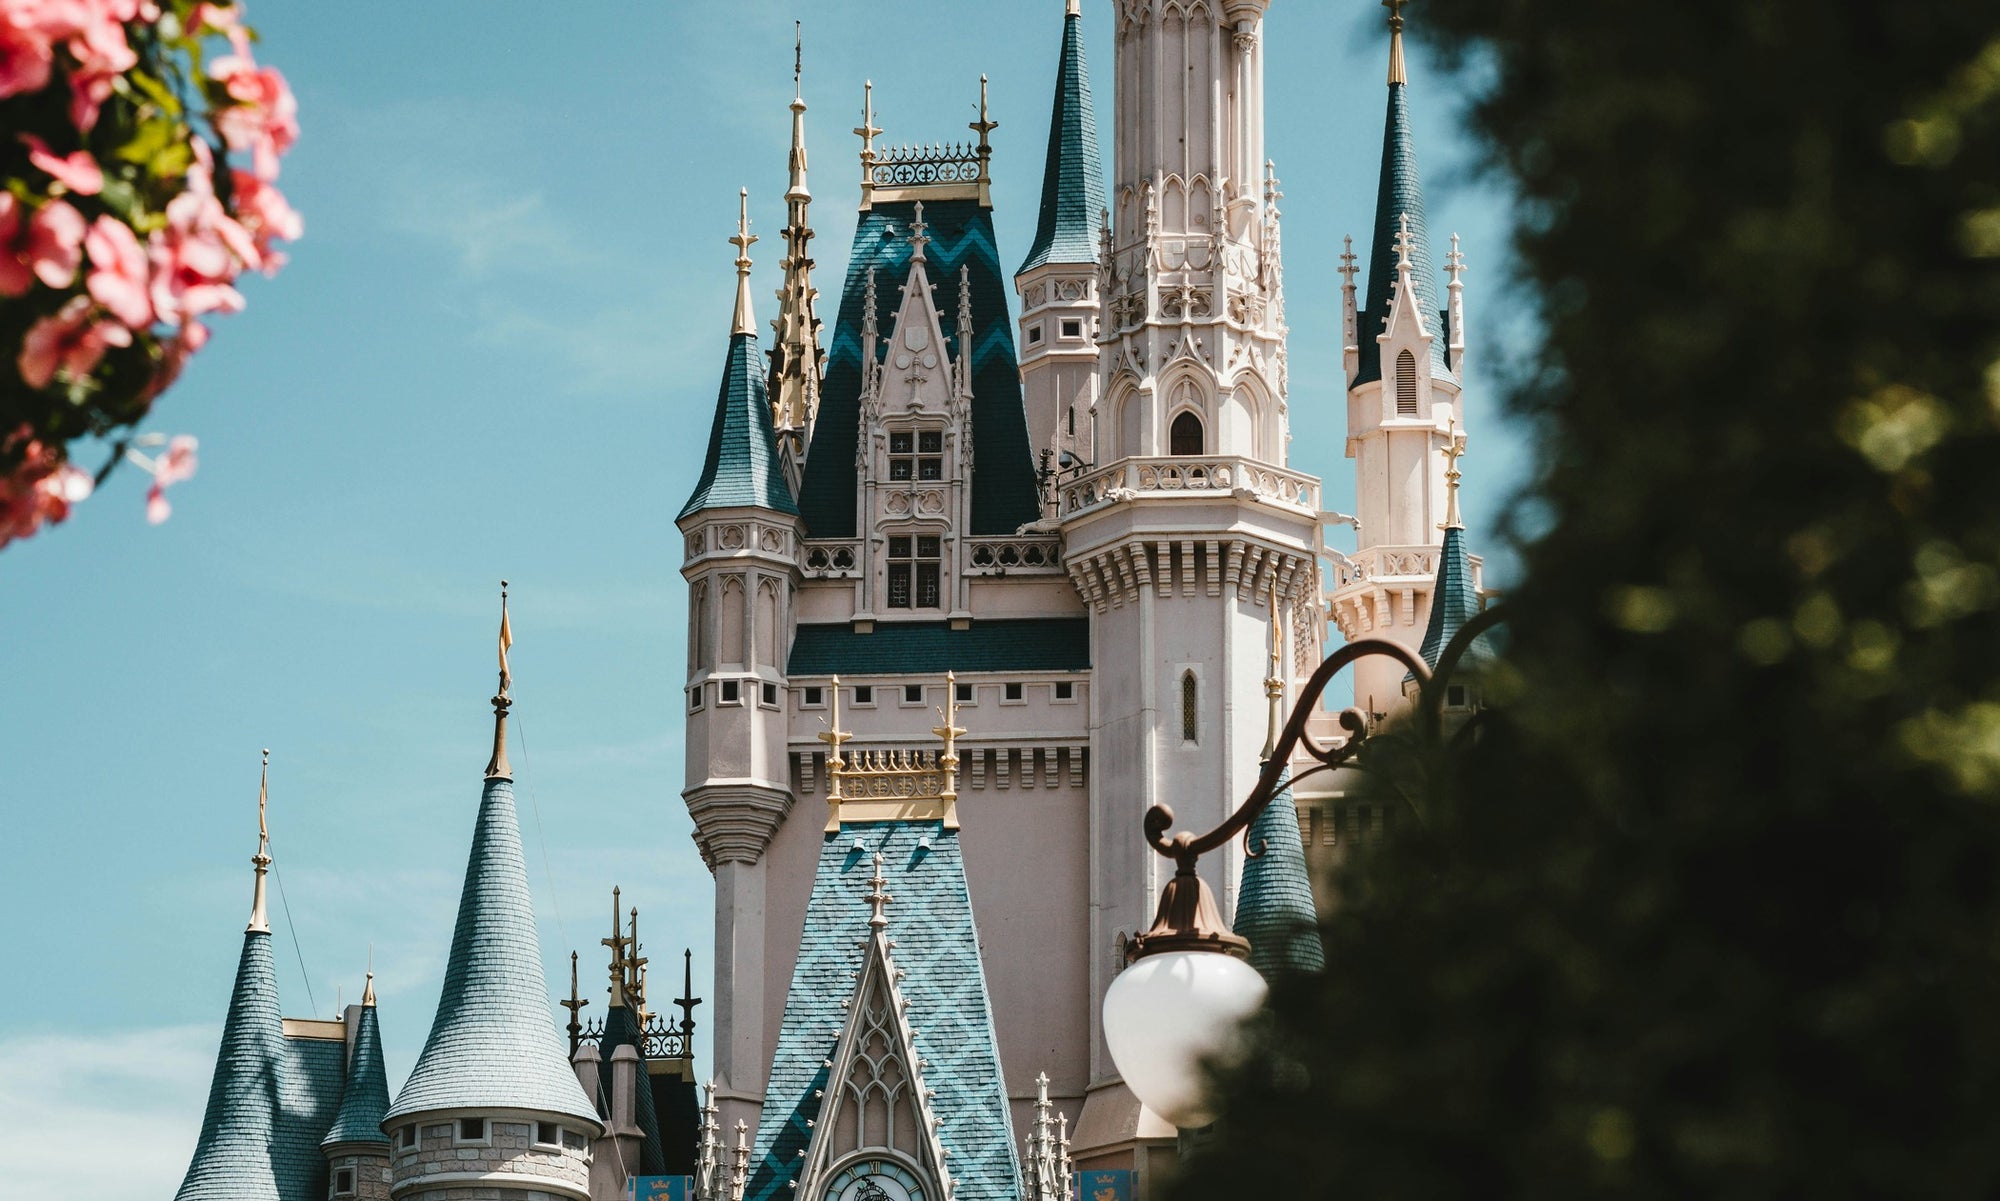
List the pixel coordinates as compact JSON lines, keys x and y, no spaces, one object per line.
{"x":1274,"y":908}
{"x":1401,"y":192}
{"x":232,"y":1158}
{"x":742,"y":465}
{"x":1003,"y":468}
{"x":309,"y":1087}
{"x":1453,"y":603}
{"x":898,"y":648}
{"x":366,"y":1098}
{"x":621,"y":1029}
{"x":1073,"y":179}
{"x":937,"y":946}
{"x":494,"y":1042}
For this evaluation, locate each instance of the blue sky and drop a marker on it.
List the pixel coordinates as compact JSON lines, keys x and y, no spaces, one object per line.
{"x":494,"y":354}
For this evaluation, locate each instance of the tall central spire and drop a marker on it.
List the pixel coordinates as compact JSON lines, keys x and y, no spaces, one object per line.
{"x":797,"y":360}
{"x":1399,"y":197}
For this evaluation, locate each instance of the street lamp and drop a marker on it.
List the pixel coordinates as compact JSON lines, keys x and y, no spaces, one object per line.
{"x":1189,"y":986}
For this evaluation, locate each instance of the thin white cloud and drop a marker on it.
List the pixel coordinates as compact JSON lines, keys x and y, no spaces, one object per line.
{"x":64,"y":1096}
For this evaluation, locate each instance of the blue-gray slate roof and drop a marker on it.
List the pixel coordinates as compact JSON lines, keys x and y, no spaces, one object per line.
{"x":933,"y":648}
{"x":742,"y":465}
{"x":1453,"y":603}
{"x":621,"y":1029}
{"x":309,"y":1087}
{"x":1003,"y":467}
{"x":937,"y":946}
{"x":1274,"y":907}
{"x":232,"y":1158}
{"x":1400,"y":192}
{"x":366,"y":1099}
{"x":494,"y":1043}
{"x":1073,"y":179}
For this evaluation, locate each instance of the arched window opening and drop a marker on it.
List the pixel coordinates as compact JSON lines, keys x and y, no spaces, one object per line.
{"x":1406,"y":385}
{"x":1184,"y":436}
{"x":1190,"y":714}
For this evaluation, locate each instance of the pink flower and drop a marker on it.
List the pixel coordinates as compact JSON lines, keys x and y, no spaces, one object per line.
{"x":78,"y":172}
{"x":118,"y":278}
{"x":196,"y":258}
{"x":42,"y":488}
{"x":265,"y":118}
{"x":102,"y":54}
{"x":170,"y":468}
{"x":71,"y":339}
{"x":26,"y":52}
{"x":263,"y":211}
{"x":15,"y":276}
{"x":50,"y":247}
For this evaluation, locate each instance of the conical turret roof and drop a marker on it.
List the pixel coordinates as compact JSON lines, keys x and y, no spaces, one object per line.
{"x":365,"y":1101}
{"x":494,"y":1043}
{"x":1454,"y":601}
{"x":1399,"y":194}
{"x":1274,"y":908}
{"x":232,"y":1158}
{"x":1073,"y":179}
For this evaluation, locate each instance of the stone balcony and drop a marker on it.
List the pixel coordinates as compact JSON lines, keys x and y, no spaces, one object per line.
{"x":1205,"y":477}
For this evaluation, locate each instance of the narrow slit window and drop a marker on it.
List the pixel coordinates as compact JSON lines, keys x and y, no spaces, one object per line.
{"x":1184,"y":436}
{"x":1406,"y":385}
{"x":1190,"y":707}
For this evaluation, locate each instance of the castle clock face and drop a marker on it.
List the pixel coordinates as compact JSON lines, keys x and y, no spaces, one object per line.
{"x":876,"y":1180}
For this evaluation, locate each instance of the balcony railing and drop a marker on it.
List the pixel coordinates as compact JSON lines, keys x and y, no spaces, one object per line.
{"x":1016,"y":556}
{"x":1127,"y":479}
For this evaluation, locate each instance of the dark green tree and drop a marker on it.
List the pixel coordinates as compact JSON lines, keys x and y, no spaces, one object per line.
{"x":1712,"y":909}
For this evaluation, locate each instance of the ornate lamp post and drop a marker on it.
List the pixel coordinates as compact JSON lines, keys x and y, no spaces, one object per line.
{"x":1189,"y":986}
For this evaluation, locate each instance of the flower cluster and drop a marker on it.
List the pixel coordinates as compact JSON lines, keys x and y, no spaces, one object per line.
{"x":137,"y":182}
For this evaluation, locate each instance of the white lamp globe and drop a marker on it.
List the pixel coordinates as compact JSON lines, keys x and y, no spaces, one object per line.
{"x":1169,"y":1011}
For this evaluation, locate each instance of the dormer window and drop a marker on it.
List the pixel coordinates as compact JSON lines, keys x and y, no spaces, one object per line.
{"x":916,"y":455}
{"x":914,"y":570}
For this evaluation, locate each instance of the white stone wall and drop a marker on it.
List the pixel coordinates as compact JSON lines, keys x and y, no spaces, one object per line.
{"x":508,"y":1166}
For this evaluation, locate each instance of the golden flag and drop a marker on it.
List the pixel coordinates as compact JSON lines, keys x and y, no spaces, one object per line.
{"x":506,"y":640}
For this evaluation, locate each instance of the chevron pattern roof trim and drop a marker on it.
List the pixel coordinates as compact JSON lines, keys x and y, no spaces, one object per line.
{"x":937,"y":946}
{"x":742,"y":469}
{"x":494,"y":1043}
{"x":1003,"y":468}
{"x":1400,"y":192}
{"x":1073,"y":178}
{"x":1453,"y":603}
{"x":365,"y":1101}
{"x":232,"y":1158}
{"x":1274,"y":908}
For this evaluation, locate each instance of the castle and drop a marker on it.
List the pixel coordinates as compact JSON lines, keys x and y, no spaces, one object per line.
{"x":968,"y":593}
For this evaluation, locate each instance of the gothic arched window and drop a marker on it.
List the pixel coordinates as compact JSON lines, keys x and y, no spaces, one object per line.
{"x":1406,"y":385}
{"x":1184,"y":436}
{"x":1190,"y":710}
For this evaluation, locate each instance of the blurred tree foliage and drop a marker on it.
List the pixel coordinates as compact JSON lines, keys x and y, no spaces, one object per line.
{"x":1714,"y":909}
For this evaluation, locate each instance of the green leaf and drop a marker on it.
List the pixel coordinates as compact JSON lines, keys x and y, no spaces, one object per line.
{"x":159,"y":93}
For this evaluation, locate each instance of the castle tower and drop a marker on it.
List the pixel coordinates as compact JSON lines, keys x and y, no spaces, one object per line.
{"x":1057,"y":282}
{"x":492,"y":1107}
{"x":742,"y":532}
{"x":356,"y":1150}
{"x":1189,"y":522}
{"x":1404,"y":356}
{"x":797,"y":361}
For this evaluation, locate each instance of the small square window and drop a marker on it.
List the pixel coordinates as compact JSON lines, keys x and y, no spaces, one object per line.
{"x":900,"y":442}
{"x":1010,"y":692}
{"x":548,"y":1134}
{"x":962,"y":693}
{"x":694,"y":699}
{"x":930,"y":442}
{"x":770,"y":695}
{"x":732,"y":692}
{"x":406,"y":1138}
{"x":913,"y":694}
{"x":812,"y":696}
{"x":1065,"y":690}
{"x":864,"y":694}
{"x":1072,"y":328}
{"x":1035,"y":335}
{"x":343,"y":1182}
{"x":575,"y":1141}
{"x":472,"y":1130}
{"x":1455,"y":696}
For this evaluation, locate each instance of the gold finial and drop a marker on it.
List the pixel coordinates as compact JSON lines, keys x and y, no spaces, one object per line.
{"x":1274,"y":684}
{"x":260,"y":921}
{"x":744,"y":323}
{"x":368,"y":989}
{"x":497,"y":767}
{"x":635,"y":966}
{"x":575,"y":1005}
{"x":950,"y":731}
{"x":866,"y":131}
{"x":1454,"y":446}
{"x":877,"y":898}
{"x":798,"y":57}
{"x":1396,"y":73}
{"x":833,"y":736}
{"x":984,"y":127}
{"x":1073,"y":9}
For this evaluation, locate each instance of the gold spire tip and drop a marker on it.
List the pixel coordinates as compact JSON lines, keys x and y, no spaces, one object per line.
{"x":744,"y":322}
{"x":1396,"y":71}
{"x":260,"y":922}
{"x":497,"y":767}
